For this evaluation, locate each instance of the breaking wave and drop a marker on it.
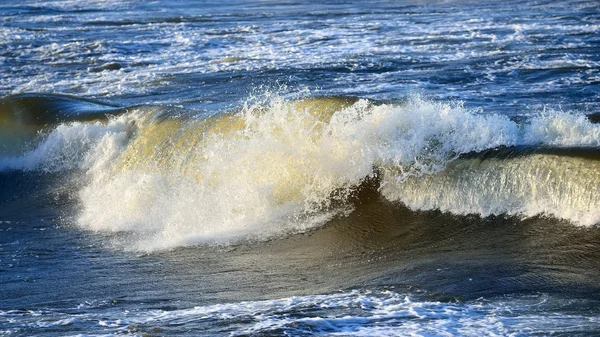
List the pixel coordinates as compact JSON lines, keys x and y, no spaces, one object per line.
{"x":172,"y":177}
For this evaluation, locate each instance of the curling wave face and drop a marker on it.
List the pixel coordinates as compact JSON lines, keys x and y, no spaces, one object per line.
{"x":272,"y":168}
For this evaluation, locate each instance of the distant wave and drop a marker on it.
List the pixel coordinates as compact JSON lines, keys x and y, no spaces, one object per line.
{"x":24,"y":117}
{"x":176,"y":177}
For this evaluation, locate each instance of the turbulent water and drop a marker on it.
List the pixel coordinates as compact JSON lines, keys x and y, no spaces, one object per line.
{"x":391,"y":168}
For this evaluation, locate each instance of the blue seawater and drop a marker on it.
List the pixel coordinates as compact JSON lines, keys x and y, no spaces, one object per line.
{"x":299,"y":168}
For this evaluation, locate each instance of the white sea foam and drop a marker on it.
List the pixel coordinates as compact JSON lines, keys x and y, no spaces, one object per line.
{"x":532,"y":185}
{"x":277,"y":174}
{"x":351,"y":313}
{"x":165,"y":49}
{"x":275,"y":168}
{"x":72,"y":146}
{"x":553,"y":127}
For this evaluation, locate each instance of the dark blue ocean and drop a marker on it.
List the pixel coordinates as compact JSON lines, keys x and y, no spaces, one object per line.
{"x":299,"y":168}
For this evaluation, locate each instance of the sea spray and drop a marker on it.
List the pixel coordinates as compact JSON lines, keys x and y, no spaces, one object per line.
{"x":71,"y":146}
{"x":527,"y":185}
{"x":285,"y":166}
{"x":274,"y":169}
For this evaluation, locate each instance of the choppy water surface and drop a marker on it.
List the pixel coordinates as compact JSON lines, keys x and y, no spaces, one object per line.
{"x":498,"y":56}
{"x":395,"y":168}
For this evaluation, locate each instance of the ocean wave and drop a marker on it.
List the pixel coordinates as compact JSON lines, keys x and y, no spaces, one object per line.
{"x":278,"y":167}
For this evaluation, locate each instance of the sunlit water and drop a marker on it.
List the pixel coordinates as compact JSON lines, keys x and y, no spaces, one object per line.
{"x":394,"y":168}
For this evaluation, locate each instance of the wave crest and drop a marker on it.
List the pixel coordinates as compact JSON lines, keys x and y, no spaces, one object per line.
{"x":270,"y":169}
{"x":276,"y":168}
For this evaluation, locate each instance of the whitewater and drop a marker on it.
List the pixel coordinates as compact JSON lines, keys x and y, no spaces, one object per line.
{"x":299,"y":169}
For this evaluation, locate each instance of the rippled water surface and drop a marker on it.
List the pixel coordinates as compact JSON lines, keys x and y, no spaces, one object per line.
{"x":499,"y":56}
{"x":275,"y":168}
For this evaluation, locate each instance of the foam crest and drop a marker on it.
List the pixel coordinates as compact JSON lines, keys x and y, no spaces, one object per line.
{"x":72,"y":146}
{"x":529,"y":185}
{"x":259,"y":174}
{"x":280,"y":167}
{"x":553,"y":127}
{"x":423,"y":136}
{"x":272,"y":169}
